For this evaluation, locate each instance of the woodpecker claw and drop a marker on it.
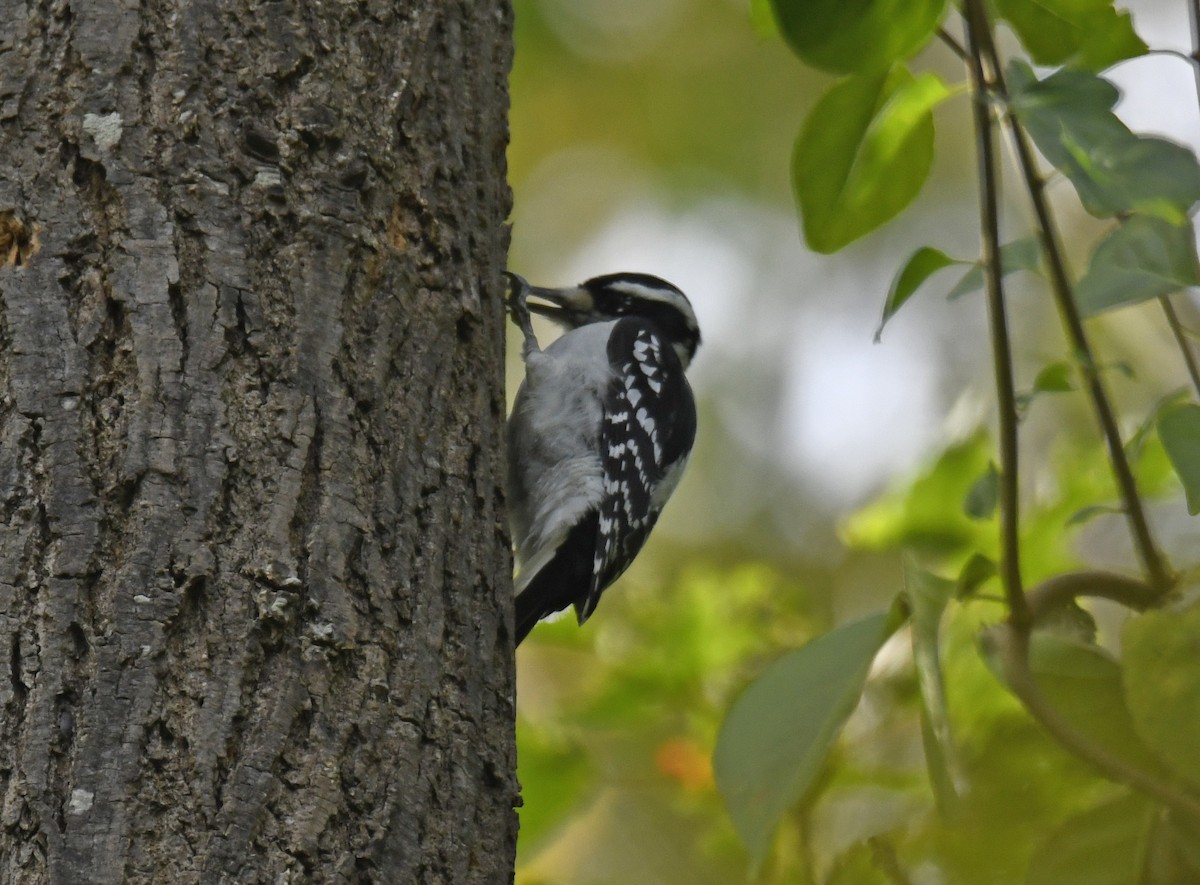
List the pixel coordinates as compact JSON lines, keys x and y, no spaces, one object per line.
{"x":517,"y":288}
{"x":518,"y":293}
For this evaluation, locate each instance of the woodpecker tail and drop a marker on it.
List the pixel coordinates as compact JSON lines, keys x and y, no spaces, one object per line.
{"x":563,"y":580}
{"x":529,"y":612}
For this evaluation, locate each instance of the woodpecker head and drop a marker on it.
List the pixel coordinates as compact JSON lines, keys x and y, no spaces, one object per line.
{"x":617,"y":295}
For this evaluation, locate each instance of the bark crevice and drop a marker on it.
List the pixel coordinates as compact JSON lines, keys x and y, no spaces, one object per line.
{"x":254,"y":580}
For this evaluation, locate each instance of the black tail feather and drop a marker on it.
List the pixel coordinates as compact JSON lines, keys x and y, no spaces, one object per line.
{"x":529,"y":612}
{"x":564,"y":580}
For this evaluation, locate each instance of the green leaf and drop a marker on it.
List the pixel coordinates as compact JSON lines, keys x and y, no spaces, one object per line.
{"x":921,"y":265}
{"x":1179,"y":430}
{"x":1023,"y":254}
{"x":1077,"y":101}
{"x":1137,"y":440}
{"x":1143,"y":258}
{"x":928,"y":595}
{"x":863,"y":154}
{"x":980,"y":502}
{"x":867,"y":35}
{"x":778,"y":733}
{"x":1104,"y":845}
{"x":1087,"y":514}
{"x":1083,"y":683}
{"x":762,"y":19}
{"x":1054,"y":378}
{"x":1069,"y":117}
{"x":975,"y":572}
{"x":1136,"y":173}
{"x":1086,"y":33}
{"x":1162,"y":685}
{"x":1071,"y":621}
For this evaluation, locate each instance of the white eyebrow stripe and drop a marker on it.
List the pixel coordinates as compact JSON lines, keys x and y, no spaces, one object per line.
{"x":650,"y":293}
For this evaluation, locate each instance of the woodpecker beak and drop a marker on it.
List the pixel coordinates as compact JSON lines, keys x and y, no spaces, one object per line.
{"x":571,"y":306}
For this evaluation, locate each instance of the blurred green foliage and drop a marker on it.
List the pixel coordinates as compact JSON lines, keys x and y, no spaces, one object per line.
{"x":852,"y":745}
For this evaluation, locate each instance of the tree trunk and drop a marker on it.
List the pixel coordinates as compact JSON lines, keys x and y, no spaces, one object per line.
{"x":254,"y":574}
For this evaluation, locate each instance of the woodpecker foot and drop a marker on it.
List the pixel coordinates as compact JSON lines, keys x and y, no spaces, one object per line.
{"x":518,"y":293}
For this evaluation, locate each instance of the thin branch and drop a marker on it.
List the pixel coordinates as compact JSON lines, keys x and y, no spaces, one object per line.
{"x":1013,"y":648}
{"x":1002,"y":364}
{"x":1060,"y":284}
{"x":1175,"y":53}
{"x":1054,"y":593}
{"x":1185,"y":346}
{"x":1194,"y":15}
{"x":956,"y":47}
{"x":1168,"y":308}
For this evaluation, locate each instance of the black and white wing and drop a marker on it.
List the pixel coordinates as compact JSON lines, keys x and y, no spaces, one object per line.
{"x":646,"y":435}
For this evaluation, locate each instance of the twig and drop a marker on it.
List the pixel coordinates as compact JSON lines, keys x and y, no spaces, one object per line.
{"x":1168,"y":308}
{"x":1054,"y":593}
{"x":1060,"y":284}
{"x":1002,"y":365}
{"x":956,"y":47}
{"x":1185,"y":346}
{"x":1194,"y":15}
{"x":1187,"y":57}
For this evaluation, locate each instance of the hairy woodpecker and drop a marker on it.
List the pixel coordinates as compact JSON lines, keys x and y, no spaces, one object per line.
{"x":599,"y":434}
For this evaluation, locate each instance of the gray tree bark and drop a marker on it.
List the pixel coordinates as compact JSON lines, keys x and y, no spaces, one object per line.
{"x":254,"y":574}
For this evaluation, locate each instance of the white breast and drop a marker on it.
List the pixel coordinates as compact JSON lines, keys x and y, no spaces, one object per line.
{"x":555,"y":424}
